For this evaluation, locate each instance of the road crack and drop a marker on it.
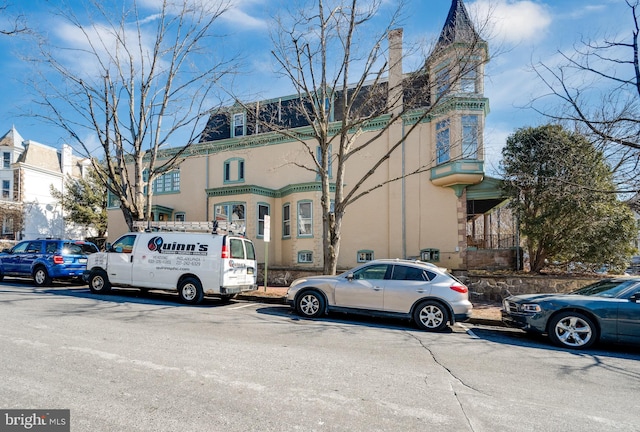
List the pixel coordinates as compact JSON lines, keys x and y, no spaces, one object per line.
{"x":454,"y":378}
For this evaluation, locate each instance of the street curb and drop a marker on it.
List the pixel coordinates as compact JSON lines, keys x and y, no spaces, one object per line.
{"x":283,"y":301}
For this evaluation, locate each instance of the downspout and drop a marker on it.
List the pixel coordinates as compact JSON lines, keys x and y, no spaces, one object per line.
{"x":206,"y":170}
{"x":404,"y":199}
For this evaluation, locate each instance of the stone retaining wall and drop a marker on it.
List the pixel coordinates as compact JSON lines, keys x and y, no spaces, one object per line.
{"x":495,"y":287}
{"x":490,"y":288}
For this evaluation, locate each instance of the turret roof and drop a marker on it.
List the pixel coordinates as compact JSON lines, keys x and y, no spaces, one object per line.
{"x":458,"y":27}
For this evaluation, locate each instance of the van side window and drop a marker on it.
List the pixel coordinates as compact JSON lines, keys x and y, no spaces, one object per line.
{"x":236,"y":248}
{"x":125,"y":243}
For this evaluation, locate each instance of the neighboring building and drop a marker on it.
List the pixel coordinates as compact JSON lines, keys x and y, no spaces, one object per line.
{"x":29,"y":170}
{"x":240,"y":173}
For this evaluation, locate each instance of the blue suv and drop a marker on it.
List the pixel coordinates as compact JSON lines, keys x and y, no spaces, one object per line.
{"x":46,"y":259}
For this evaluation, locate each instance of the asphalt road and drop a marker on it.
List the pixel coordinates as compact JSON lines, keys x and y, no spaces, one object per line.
{"x":133,"y":362}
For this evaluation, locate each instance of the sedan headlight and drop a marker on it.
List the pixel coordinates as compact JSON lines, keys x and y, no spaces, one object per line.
{"x":530,"y":307}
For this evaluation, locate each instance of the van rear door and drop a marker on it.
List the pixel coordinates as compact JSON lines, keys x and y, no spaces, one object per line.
{"x":239,"y":269}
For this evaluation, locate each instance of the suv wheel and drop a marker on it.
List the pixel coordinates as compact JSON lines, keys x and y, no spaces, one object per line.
{"x":99,"y":282}
{"x":431,"y":316}
{"x":41,"y":277}
{"x":310,"y":304}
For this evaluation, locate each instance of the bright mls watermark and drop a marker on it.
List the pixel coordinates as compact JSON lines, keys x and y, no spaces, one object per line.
{"x":39,"y":420}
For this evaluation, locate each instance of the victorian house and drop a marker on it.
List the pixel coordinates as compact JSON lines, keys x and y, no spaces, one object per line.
{"x":241,"y":172}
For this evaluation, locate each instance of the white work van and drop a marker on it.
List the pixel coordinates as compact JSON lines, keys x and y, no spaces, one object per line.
{"x":194,"y":264}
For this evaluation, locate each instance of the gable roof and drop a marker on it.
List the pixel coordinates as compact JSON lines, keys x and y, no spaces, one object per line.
{"x":12,"y":139}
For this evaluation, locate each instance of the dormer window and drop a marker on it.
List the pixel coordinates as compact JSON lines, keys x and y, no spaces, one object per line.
{"x":238,"y":124}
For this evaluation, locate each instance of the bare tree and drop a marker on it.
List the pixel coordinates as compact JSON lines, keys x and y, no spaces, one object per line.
{"x":346,"y":76}
{"x":16,"y":25}
{"x":136,"y":81}
{"x":598,"y":86}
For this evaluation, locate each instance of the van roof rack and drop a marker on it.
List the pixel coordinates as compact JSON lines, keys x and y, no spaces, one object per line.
{"x":213,"y":227}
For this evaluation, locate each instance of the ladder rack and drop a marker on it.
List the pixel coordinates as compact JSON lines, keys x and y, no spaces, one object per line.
{"x":215,"y":227}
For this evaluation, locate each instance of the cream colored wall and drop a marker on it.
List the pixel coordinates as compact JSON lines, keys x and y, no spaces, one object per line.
{"x":374,"y":222}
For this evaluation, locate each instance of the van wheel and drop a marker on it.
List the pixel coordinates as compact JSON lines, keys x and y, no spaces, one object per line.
{"x":99,"y":282}
{"x":41,"y":277}
{"x":190,"y":291}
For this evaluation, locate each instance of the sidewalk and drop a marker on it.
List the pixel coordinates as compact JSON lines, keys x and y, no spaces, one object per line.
{"x":483,"y":313}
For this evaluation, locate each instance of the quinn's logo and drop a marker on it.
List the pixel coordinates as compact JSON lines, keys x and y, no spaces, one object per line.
{"x":155,"y":244}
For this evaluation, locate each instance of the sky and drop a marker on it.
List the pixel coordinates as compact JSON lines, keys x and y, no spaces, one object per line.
{"x":521,"y":33}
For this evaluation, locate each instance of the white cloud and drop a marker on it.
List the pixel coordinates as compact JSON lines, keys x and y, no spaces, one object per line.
{"x":512,"y":22}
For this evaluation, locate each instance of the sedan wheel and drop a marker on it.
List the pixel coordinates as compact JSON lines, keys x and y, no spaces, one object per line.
{"x":310,"y":304}
{"x":431,"y":316}
{"x":572,"y":330}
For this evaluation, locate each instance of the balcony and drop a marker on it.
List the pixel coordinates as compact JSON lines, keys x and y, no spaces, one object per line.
{"x":458,"y":174}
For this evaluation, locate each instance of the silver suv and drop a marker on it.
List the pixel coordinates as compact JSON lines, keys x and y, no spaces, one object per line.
{"x":415,"y":290}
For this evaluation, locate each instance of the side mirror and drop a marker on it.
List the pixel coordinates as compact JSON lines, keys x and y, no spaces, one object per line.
{"x":6,"y":250}
{"x":634,"y":298}
{"x":350,"y":277}
{"x":107,"y":247}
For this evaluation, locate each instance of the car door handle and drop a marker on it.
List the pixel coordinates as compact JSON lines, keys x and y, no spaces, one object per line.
{"x":420,"y":291}
{"x":377,"y":288}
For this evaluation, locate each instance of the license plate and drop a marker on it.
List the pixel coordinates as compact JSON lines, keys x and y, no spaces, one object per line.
{"x":82,"y":260}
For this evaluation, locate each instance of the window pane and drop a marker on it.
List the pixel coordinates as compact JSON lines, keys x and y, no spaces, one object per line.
{"x":251,"y":253}
{"x":305,"y":221}
{"x":401,"y":272}
{"x":263,"y":211}
{"x":470,"y":136}
{"x":237,"y":249}
{"x":374,"y":272}
{"x":286,"y":221}
{"x":442,"y":141}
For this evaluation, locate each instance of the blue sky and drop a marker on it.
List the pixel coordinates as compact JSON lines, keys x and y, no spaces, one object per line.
{"x":521,"y":33}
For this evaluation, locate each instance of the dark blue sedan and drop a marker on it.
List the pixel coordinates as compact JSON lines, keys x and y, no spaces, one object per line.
{"x":608,"y":311}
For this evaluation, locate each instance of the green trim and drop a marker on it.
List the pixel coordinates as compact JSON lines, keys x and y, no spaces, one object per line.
{"x":489,"y":188}
{"x":305,"y":252}
{"x":364,"y":251}
{"x":461,"y":166}
{"x":307,"y":235}
{"x":434,"y":254}
{"x":263,"y":191}
{"x":283,"y":220}
{"x":268,"y":206}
